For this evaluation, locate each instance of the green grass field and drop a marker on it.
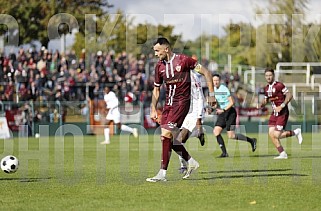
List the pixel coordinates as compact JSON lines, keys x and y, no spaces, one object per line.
{"x":80,"y":174}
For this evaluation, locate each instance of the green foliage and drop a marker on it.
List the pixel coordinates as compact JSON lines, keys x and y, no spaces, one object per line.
{"x":119,"y":33}
{"x":33,"y":16}
{"x":276,"y":40}
{"x":262,"y":45}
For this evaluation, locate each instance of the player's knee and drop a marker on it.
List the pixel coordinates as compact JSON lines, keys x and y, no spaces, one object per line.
{"x":166,"y":133}
{"x":216,"y":133}
{"x":277,"y":134}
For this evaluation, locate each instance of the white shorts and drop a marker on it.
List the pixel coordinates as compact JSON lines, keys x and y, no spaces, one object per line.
{"x":190,"y":121}
{"x":114,"y":115}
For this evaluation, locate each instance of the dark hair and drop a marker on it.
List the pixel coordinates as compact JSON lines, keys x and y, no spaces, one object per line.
{"x":162,"y":41}
{"x":269,"y":70}
{"x":216,"y":75}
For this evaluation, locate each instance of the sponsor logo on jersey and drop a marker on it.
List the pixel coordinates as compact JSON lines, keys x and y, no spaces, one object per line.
{"x":172,"y":125}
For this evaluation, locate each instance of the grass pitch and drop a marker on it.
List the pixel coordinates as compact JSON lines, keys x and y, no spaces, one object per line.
{"x":77,"y":173}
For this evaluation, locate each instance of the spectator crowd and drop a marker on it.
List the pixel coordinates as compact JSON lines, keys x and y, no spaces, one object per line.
{"x":46,"y":75}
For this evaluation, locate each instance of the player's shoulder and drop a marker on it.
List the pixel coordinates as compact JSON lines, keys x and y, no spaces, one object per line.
{"x":223,"y":87}
{"x":182,"y":56}
{"x":159,"y":63}
{"x":279,"y":84}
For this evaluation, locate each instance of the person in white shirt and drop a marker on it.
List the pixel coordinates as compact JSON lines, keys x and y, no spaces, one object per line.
{"x":113,"y":114}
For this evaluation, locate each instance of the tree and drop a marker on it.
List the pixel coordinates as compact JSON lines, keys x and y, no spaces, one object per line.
{"x":119,"y":33}
{"x":33,"y":16}
{"x":275,"y":40}
{"x":238,"y":42}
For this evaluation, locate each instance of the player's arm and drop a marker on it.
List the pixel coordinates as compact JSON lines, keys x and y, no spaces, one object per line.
{"x":229,"y":105}
{"x":155,"y":98}
{"x":263,"y":103}
{"x":208,"y":76}
{"x":288,"y":98}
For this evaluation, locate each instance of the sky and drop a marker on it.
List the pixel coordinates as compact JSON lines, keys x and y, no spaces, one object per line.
{"x":192,"y":18}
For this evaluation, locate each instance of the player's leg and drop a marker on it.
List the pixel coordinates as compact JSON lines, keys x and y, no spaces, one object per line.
{"x":282,"y":120}
{"x":178,"y":115}
{"x":230,"y":127}
{"x":274,"y":133}
{"x":123,"y":127}
{"x":200,"y":131}
{"x":179,"y":148}
{"x":134,"y":131}
{"x":217,"y":133}
{"x":296,"y":132}
{"x":166,"y":138}
{"x":182,"y":138}
{"x":219,"y":126}
{"x":183,"y":135}
{"x":106,"y":133}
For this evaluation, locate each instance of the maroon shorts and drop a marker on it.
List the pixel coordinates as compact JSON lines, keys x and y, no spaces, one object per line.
{"x":173,"y":116}
{"x":279,"y":122}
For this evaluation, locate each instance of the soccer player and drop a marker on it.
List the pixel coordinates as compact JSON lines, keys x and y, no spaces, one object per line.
{"x":113,"y":114}
{"x":279,"y":96}
{"x":226,"y":117}
{"x":174,"y":70}
{"x":192,"y":125}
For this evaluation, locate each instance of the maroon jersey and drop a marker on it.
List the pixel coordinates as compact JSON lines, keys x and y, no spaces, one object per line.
{"x":275,"y":94}
{"x":175,"y":73}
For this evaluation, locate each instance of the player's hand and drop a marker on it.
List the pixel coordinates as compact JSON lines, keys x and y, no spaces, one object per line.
{"x":278,"y":109}
{"x":210,"y":109}
{"x":219,"y":111}
{"x":211,"y":101}
{"x":154,"y":116}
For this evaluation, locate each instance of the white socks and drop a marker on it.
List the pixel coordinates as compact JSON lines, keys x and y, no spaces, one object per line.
{"x":106,"y":133}
{"x":162,"y":172}
{"x":126,"y":128}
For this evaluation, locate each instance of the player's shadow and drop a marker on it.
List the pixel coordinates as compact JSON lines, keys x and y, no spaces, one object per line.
{"x":26,"y":179}
{"x":312,"y":156}
{"x":264,"y":173}
{"x":244,"y":171}
{"x":252,"y":176}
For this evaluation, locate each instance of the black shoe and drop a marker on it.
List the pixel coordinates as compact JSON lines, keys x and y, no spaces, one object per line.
{"x":201,"y":137}
{"x":223,"y":155}
{"x":253,"y":144}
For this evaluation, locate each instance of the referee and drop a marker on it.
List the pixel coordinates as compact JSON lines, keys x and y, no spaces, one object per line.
{"x":226,"y":117}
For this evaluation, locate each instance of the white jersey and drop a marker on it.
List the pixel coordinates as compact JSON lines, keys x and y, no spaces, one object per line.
{"x":197,"y":96}
{"x":111,"y":100}
{"x":197,"y":109}
{"x":112,"y":104}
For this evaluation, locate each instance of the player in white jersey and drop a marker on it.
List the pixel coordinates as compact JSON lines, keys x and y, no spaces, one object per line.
{"x":192,"y":125}
{"x":113,"y":114}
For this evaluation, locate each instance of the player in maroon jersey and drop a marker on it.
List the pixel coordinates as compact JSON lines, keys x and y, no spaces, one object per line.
{"x":174,"y":71}
{"x":279,"y":96}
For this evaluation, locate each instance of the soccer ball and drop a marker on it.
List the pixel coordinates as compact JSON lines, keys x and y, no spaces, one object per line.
{"x":9,"y":164}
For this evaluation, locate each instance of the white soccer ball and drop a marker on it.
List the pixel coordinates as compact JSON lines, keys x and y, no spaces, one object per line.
{"x":9,"y":164}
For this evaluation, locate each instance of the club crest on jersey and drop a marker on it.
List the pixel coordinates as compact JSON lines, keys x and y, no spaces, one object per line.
{"x":178,"y":68}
